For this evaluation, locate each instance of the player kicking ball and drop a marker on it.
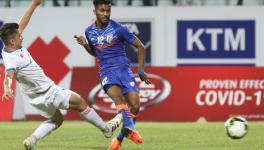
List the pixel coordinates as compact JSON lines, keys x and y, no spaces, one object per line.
{"x":47,"y":97}
{"x":106,"y":40}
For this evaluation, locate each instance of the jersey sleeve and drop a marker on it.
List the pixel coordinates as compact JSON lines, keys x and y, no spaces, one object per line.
{"x":86,"y":35}
{"x":10,"y":62}
{"x":125,"y":34}
{"x":87,"y":38}
{"x":93,"y":52}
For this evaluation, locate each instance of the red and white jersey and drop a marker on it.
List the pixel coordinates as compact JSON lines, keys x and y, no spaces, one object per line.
{"x":28,"y":73}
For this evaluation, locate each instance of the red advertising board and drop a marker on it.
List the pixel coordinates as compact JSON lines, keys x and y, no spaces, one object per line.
{"x":184,"y":93}
{"x":6,"y":106}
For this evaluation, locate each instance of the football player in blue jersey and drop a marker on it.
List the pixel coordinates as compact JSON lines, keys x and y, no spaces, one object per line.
{"x":45,"y":96}
{"x":106,"y":40}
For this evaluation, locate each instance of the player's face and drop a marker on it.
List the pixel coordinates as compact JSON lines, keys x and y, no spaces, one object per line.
{"x":103,"y":12}
{"x":17,"y":40}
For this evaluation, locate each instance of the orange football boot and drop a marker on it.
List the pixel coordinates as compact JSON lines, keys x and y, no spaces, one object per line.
{"x":115,"y":144}
{"x":132,"y":135}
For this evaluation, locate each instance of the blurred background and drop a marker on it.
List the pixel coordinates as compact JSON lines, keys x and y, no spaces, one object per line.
{"x":205,"y":58}
{"x":83,"y":3}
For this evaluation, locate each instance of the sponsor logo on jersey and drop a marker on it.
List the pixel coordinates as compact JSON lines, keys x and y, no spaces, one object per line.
{"x":109,"y":38}
{"x":21,"y":55}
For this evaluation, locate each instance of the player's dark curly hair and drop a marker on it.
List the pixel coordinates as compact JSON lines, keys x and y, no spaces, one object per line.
{"x":7,"y":31}
{"x":96,"y":2}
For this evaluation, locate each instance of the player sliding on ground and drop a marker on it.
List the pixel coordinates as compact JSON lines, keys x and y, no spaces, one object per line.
{"x":47,"y":97}
{"x":106,"y":40}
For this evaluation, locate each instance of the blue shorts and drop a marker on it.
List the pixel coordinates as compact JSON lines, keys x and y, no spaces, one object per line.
{"x":122,"y":77}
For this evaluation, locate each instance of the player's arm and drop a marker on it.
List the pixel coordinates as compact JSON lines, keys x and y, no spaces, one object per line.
{"x":141,"y":59}
{"x":81,"y":40}
{"x":8,"y":92}
{"x":27,"y":15}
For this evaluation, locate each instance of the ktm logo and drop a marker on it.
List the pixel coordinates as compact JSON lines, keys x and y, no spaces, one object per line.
{"x":150,"y":95}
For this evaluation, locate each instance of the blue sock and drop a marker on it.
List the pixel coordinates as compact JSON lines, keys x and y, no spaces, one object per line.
{"x":121,"y":136}
{"x":127,"y":121}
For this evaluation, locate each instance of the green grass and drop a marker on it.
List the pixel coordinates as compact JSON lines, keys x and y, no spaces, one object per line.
{"x":156,"y":136}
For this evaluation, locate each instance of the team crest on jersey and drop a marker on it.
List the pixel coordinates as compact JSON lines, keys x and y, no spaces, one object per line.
{"x":109,"y":38}
{"x":21,"y":55}
{"x":132,"y":84}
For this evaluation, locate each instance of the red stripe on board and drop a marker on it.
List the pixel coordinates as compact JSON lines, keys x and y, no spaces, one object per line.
{"x":6,"y":106}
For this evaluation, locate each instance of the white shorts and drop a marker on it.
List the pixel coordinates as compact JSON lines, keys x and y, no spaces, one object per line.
{"x":55,"y":98}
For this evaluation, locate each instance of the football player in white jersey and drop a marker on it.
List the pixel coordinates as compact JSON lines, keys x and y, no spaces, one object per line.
{"x":47,"y":97}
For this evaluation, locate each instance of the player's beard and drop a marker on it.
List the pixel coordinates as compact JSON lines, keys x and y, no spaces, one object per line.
{"x":105,"y":21}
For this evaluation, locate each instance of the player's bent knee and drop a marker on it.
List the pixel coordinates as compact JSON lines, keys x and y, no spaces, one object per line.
{"x":59,"y":122}
{"x":57,"y":118}
{"x":77,"y":102}
{"x":82,"y":105}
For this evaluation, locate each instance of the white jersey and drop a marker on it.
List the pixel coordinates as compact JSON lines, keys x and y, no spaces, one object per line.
{"x":28,"y":73}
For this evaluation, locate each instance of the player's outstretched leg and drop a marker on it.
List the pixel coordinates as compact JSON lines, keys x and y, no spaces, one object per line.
{"x":88,"y":114}
{"x":112,"y":125}
{"x":30,"y":143}
{"x":43,"y":130}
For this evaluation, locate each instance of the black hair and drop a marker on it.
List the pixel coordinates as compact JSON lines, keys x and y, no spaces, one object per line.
{"x":97,"y":2}
{"x":7,"y":31}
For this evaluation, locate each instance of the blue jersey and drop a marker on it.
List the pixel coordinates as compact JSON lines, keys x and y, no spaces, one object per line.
{"x":108,"y":44}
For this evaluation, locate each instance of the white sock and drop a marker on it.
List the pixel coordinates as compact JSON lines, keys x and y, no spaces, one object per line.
{"x":44,"y":129}
{"x":91,"y":116}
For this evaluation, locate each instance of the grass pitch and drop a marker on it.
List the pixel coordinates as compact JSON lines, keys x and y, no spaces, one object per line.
{"x":156,"y":136}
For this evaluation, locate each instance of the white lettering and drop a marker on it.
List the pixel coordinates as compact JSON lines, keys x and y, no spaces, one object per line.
{"x":212,"y":97}
{"x":235,"y":42}
{"x":239,"y":98}
{"x":231,"y":41}
{"x":193,"y":38}
{"x":251,"y":84}
{"x":218,"y":84}
{"x":151,"y":94}
{"x":223,"y":96}
{"x":198,"y":98}
{"x":214,"y":37}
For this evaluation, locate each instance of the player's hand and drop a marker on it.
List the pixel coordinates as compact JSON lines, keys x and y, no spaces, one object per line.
{"x":8,"y":94}
{"x":144,"y":77}
{"x":37,"y":2}
{"x":80,"y":40}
